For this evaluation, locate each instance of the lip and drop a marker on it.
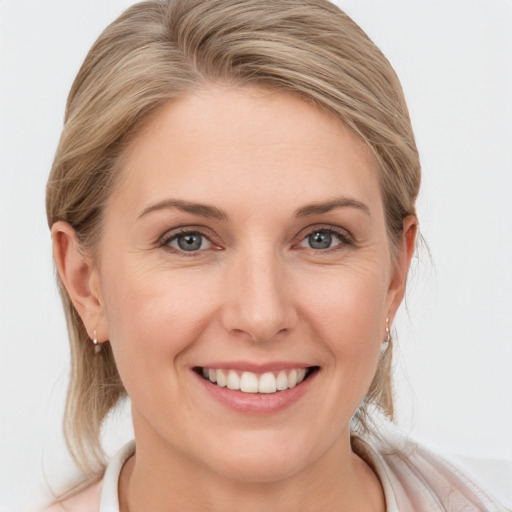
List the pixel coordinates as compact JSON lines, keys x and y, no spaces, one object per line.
{"x":256,"y":403}
{"x":246,"y":366}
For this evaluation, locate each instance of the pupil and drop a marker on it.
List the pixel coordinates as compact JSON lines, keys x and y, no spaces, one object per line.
{"x":190,"y":242}
{"x":320,"y":240}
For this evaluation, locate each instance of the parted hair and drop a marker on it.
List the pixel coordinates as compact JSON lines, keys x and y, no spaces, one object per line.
{"x":159,"y":50}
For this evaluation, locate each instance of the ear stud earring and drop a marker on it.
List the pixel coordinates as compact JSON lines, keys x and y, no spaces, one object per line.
{"x":97,"y":346}
{"x":387,"y":341}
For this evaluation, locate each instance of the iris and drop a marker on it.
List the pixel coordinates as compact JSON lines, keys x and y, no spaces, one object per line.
{"x":320,"y":240}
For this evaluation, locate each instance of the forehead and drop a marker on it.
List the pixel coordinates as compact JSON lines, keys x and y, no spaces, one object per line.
{"x":255,"y":142}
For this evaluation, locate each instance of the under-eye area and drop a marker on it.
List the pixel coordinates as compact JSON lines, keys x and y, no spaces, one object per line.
{"x":250,"y":382}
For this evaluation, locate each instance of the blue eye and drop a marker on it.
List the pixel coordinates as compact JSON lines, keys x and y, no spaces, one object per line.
{"x":189,"y":242}
{"x":321,"y":239}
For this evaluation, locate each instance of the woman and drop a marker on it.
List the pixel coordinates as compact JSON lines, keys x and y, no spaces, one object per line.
{"x":232,"y":207}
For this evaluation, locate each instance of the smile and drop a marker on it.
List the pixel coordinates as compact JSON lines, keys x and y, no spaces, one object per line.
{"x":249,"y":382}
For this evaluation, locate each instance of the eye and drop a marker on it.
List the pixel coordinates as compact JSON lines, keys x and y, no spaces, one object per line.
{"x":322,"y":239}
{"x":188,"y":241}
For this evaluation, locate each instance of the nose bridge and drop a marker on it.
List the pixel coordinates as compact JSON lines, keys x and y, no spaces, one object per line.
{"x":260,"y":305}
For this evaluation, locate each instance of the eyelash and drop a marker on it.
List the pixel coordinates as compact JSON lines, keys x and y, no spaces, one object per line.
{"x":168,"y":238}
{"x":345,"y":239}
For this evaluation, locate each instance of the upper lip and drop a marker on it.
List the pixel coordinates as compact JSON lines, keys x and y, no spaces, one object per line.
{"x":246,"y":366}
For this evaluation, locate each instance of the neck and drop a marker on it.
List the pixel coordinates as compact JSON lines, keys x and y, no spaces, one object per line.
{"x":161,"y":481}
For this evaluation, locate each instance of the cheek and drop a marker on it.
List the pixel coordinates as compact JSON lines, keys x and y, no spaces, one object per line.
{"x":346,"y":312}
{"x":347,"y":304}
{"x":153,"y":317}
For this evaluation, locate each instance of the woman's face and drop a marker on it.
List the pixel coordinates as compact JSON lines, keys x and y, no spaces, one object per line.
{"x":247,"y":242}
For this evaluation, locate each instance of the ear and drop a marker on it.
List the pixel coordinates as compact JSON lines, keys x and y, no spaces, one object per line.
{"x":406,"y":249}
{"x":80,"y":278}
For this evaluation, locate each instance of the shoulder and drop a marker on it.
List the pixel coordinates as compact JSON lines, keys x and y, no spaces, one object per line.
{"x":420,"y":479}
{"x":86,"y":500}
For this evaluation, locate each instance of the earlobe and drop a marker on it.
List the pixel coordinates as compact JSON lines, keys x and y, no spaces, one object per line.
{"x":406,"y":250}
{"x":79,"y":276}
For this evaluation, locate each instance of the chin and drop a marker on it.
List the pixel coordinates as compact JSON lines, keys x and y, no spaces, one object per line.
{"x":260,"y":460}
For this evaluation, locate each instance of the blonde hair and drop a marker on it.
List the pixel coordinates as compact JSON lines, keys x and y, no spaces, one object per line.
{"x":159,"y":50}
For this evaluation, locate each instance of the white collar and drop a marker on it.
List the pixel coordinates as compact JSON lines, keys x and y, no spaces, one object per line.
{"x":109,"y":492}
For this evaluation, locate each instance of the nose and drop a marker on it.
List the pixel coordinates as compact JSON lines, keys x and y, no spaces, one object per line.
{"x":259,"y":303}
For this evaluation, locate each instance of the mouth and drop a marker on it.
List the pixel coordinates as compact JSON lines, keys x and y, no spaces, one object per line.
{"x":256,"y":383}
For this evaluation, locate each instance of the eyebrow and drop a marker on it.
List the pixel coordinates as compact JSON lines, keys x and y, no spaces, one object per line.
{"x":209,"y":211}
{"x":203,"y":210}
{"x":327,"y":206}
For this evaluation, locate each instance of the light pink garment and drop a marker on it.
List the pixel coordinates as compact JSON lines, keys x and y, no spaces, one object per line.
{"x":414,"y":479}
{"x":417,"y":479}
{"x":87,"y":500}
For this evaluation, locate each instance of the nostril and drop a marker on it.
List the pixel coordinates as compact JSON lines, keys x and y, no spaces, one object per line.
{"x":259,"y":308}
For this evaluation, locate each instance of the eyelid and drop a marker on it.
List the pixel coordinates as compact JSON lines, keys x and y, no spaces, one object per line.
{"x":342,"y":233}
{"x":172,"y":234}
{"x":327,"y":227}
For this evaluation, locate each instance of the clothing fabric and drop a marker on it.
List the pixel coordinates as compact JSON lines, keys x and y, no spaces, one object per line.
{"x":414,"y":479}
{"x":417,"y":479}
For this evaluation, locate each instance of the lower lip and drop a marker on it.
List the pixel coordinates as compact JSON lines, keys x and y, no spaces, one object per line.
{"x":257,"y":403}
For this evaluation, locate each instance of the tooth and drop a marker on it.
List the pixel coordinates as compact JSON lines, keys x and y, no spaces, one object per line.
{"x":249,"y":382}
{"x":292,"y":378}
{"x":282,"y":381}
{"x":233,"y":380}
{"x":221,"y":379}
{"x":267,"y":383}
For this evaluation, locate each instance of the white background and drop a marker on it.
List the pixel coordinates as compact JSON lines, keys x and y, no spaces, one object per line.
{"x":454,"y":59}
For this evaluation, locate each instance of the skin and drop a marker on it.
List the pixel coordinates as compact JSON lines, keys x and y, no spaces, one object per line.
{"x":256,"y":291}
